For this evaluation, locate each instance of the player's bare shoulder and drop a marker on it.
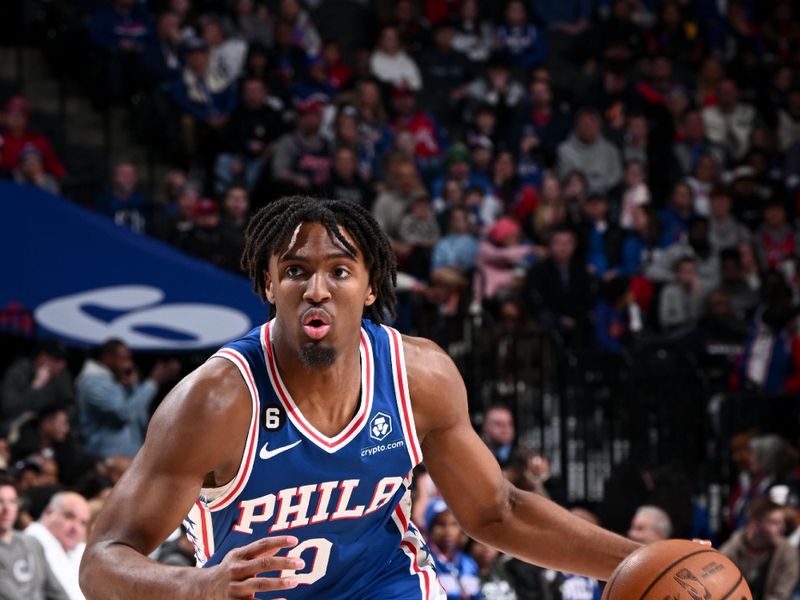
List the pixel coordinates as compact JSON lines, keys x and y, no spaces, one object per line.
{"x":203,"y":413}
{"x":438,"y":396}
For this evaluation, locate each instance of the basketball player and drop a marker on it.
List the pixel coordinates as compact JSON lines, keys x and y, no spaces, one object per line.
{"x":291,"y":449}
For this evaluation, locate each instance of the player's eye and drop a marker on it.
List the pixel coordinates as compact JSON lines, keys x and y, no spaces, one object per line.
{"x":341,"y":272}
{"x":293,"y":271}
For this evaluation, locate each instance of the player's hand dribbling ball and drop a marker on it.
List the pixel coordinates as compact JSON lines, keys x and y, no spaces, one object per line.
{"x":677,"y":569}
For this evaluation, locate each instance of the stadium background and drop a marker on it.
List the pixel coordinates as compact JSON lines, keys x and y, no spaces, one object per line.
{"x":479,"y":134}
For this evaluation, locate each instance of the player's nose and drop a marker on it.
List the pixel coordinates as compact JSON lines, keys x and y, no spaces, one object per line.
{"x":316,"y":290}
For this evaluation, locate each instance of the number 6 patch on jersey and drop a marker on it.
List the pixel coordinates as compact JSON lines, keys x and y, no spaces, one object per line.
{"x":273,"y":418}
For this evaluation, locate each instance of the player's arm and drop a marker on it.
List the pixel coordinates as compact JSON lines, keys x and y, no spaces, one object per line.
{"x":198,"y":431}
{"x":488,"y":507}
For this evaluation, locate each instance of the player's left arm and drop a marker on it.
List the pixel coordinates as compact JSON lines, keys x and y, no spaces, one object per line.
{"x":487,"y":506}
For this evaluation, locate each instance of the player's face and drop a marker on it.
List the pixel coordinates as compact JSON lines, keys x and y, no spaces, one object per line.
{"x":319,"y":291}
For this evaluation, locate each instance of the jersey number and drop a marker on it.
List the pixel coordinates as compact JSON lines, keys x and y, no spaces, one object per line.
{"x":319,"y":566}
{"x":272,"y":418}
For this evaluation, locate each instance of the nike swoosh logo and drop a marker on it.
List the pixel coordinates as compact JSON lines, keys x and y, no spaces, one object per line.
{"x":267,"y":454}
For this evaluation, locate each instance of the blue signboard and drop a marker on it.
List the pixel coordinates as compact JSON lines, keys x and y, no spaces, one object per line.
{"x":86,"y":280}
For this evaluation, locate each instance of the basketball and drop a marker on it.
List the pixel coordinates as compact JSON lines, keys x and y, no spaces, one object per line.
{"x":675,"y":569}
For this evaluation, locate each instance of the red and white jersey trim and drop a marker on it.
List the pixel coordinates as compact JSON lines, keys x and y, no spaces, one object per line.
{"x":357,"y":423}
{"x":403,"y":396}
{"x":421,"y":562}
{"x":201,"y":532}
{"x":218,"y":498}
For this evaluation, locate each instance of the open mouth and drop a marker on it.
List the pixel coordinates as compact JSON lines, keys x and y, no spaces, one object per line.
{"x":316,"y":324}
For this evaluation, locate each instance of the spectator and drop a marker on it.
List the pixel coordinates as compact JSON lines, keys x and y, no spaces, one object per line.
{"x":250,"y":137}
{"x":542,"y":126}
{"x":498,"y":432}
{"x":691,"y":144}
{"x":346,"y":182}
{"x":587,"y":151}
{"x":31,"y":578}
{"x":428,"y":137}
{"x":47,"y":433}
{"x":418,"y":232}
{"x":602,"y":240}
{"x":675,"y":218}
{"x":251,"y":22}
{"x":204,"y":240}
{"x":616,"y":316}
{"x":767,"y":358}
{"x":304,"y":33}
{"x":301,"y":162}
{"x":619,"y":38}
{"x":30,"y":171}
{"x":457,"y":572}
{"x":748,"y":199}
{"x":226,"y":55}
{"x":391,"y":65}
{"x":789,"y":121}
{"x":205,"y":99}
{"x":702,"y":180}
{"x":288,"y":58}
{"x":175,"y":225}
{"x":404,"y":186}
{"x":776,"y":240}
{"x":123,"y":202}
{"x":61,"y":531}
{"x":35,"y":384}
{"x":338,"y":73}
{"x":650,"y":524}
{"x":760,"y":550}
{"x":445,"y":74}
{"x":501,"y":259}
{"x":524,"y":43}
{"x":640,"y":243}
{"x":459,"y":170}
{"x":113,"y":407}
{"x":235,"y":216}
{"x":16,"y":137}
{"x":458,"y":248}
{"x":635,"y":193}
{"x":497,"y":583}
{"x":724,"y":230}
{"x":729,"y":123}
{"x":559,"y":289}
{"x":498,"y":89}
{"x":681,"y":301}
{"x":742,"y":297}
{"x":473,"y":35}
{"x":120,"y":31}
{"x":160,"y":60}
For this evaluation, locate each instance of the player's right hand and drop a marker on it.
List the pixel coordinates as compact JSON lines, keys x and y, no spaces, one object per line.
{"x":236,"y":577}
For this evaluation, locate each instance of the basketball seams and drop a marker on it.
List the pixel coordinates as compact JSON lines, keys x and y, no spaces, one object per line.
{"x":735,"y":587}
{"x":673,"y":564}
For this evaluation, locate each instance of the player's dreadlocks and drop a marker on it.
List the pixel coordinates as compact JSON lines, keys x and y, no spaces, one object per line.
{"x":270,"y":228}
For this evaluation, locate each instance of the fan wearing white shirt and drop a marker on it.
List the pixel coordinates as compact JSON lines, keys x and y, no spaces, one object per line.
{"x":61,"y":531}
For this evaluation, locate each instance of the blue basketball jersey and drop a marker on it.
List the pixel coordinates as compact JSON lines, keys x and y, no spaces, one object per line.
{"x":345,"y":498}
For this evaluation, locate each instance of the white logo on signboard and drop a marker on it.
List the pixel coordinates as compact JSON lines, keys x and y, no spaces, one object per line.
{"x":186,"y":325}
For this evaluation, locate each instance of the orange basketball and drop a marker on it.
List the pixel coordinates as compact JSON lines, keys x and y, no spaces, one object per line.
{"x":677,"y":569}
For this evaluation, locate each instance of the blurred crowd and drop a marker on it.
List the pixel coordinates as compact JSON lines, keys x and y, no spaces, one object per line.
{"x":612,"y":174}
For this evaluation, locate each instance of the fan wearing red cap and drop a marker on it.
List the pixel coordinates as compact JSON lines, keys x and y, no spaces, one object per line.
{"x":16,"y":137}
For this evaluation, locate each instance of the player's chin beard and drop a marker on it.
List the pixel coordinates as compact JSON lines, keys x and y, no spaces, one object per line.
{"x":315,"y":356}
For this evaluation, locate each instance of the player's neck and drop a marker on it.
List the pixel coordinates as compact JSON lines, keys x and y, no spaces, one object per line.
{"x":327,"y":396}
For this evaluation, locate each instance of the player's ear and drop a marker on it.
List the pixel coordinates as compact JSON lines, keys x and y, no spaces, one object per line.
{"x":371,"y":297}
{"x":268,"y":288}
